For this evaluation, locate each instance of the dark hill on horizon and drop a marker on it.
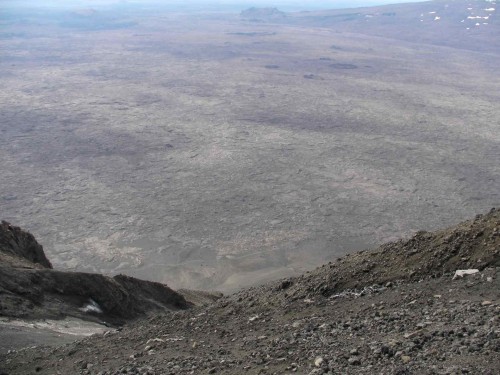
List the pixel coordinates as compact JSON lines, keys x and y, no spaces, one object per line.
{"x":399,"y":309}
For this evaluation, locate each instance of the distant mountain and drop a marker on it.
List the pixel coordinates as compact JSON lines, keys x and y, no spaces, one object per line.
{"x":263,"y":14}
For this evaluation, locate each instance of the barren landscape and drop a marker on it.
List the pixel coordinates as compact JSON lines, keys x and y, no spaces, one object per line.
{"x":215,"y":151}
{"x":425,"y":305}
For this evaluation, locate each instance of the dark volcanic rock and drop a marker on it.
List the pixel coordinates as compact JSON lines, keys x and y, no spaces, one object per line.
{"x":15,"y":241}
{"x":30,"y":288}
{"x":44,"y":293}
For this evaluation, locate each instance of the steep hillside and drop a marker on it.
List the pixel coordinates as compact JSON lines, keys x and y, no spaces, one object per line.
{"x":400,"y":309}
{"x":473,"y":244}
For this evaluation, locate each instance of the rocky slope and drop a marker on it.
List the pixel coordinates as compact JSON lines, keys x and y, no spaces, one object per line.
{"x":399,"y":309}
{"x":31,"y":289}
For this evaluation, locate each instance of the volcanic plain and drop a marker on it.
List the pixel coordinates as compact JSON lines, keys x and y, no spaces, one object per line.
{"x":212,"y":151}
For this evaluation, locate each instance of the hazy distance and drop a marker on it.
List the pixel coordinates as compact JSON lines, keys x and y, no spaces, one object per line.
{"x":197,"y":5}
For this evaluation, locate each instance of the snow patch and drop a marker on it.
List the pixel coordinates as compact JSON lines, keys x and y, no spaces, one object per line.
{"x":92,"y":307}
{"x":67,"y":326}
{"x":437,"y":18}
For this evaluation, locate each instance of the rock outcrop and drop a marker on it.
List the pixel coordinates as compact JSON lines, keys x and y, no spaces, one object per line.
{"x":16,"y":242}
{"x":31,"y":289}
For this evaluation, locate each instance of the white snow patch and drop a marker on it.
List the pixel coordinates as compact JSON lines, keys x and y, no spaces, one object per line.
{"x":432,"y":12}
{"x":477,"y":24}
{"x":437,"y":18}
{"x":68,"y":326}
{"x":490,"y":9}
{"x":92,"y":307}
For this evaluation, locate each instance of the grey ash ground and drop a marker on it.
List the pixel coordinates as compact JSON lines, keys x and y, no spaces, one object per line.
{"x":367,"y":313}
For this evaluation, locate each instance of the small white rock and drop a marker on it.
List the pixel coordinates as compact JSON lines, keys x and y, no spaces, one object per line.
{"x":253,"y":318}
{"x":318,"y":361}
{"x":462,"y":273}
